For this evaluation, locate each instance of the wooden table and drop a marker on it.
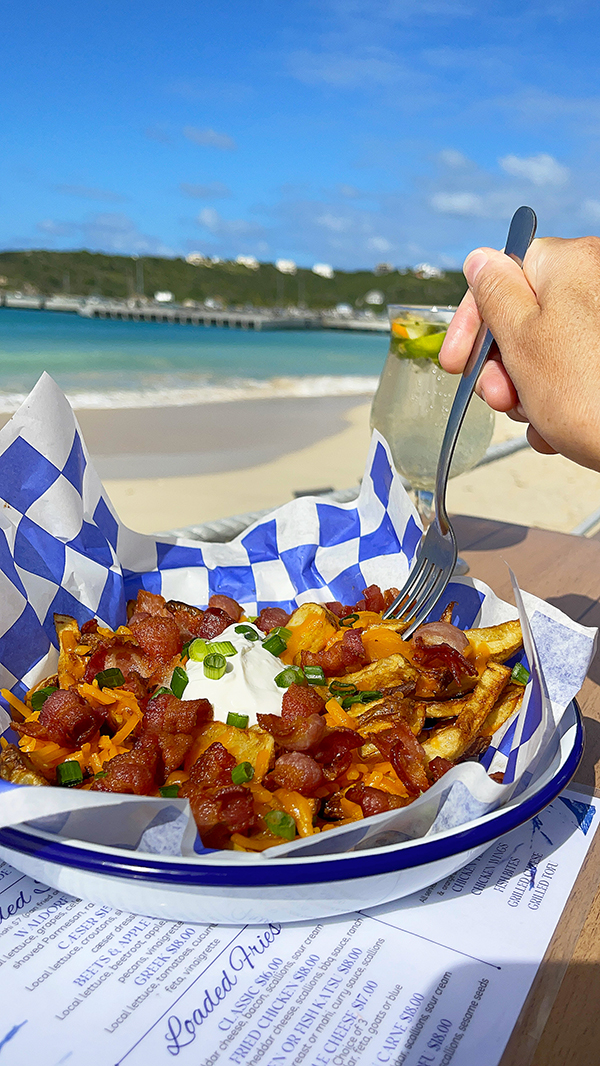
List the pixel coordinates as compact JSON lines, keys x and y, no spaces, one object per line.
{"x":564,"y":570}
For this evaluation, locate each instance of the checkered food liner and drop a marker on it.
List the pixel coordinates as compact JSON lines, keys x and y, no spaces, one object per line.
{"x":63,"y":550}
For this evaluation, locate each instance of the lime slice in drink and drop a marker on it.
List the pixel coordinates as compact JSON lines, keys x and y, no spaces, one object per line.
{"x":426,"y":347}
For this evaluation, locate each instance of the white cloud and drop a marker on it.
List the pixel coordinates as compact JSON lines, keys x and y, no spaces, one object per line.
{"x":450,"y":157}
{"x":542,"y":169}
{"x":376,"y":66}
{"x":87,"y":192}
{"x":52,"y":228}
{"x":211,"y":220}
{"x":215,"y":190}
{"x":590,"y":210}
{"x":458,"y":203}
{"x":209,"y":138}
{"x":107,"y":233}
{"x":335,"y":223}
{"x":379,"y":244}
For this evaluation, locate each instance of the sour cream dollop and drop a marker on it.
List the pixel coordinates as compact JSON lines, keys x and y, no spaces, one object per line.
{"x":248,"y":684}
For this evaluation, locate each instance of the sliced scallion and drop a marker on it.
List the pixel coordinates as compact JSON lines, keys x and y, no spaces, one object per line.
{"x":281,"y":824}
{"x":520,"y":674}
{"x":179,"y":682}
{"x":111,"y":678}
{"x":169,"y":791}
{"x":215,"y":666}
{"x":222,"y":647}
{"x":342,"y":688}
{"x":314,"y":675}
{"x":69,"y":773}
{"x":360,"y":697}
{"x":39,"y":698}
{"x":292,"y":675}
{"x":247,"y":631}
{"x":162,"y":691}
{"x":198,"y":650}
{"x":275,"y":644}
{"x":349,"y":620}
{"x":240,"y":721}
{"x":243,"y":772}
{"x":281,"y":631}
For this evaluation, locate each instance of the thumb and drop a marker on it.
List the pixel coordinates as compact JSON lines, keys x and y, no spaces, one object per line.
{"x":504,"y":298}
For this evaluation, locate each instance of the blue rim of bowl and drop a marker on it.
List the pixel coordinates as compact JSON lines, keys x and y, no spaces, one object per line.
{"x":303,"y":871}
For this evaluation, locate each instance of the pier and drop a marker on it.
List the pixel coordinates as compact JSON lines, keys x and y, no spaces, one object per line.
{"x":152,"y":311}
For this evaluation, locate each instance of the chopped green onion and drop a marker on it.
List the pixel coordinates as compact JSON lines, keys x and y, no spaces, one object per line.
{"x":281,"y":631}
{"x":349,"y":620}
{"x":102,"y":773}
{"x":169,"y":791}
{"x":342,"y":688}
{"x":280,"y":823}
{"x":240,"y":721}
{"x":360,"y":697}
{"x":179,"y":682}
{"x":69,"y":773}
{"x":520,"y":674}
{"x":292,"y":675}
{"x":243,"y":772}
{"x":222,"y":647}
{"x":274,"y":644}
{"x":39,"y":698}
{"x":215,"y":666}
{"x":251,"y":617}
{"x":110,"y":678}
{"x":247,"y":631}
{"x":162,"y":691}
{"x":315,"y":675}
{"x":198,"y":650}
{"x":186,"y":648}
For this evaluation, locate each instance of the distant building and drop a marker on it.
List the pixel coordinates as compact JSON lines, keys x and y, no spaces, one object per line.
{"x":425,"y":270}
{"x":196,"y":259}
{"x":383,"y":268}
{"x":249,"y":261}
{"x":324,"y":270}
{"x":375,"y":298}
{"x":214,"y":303}
{"x":164,"y":297}
{"x":286,"y":266}
{"x":343,"y":309}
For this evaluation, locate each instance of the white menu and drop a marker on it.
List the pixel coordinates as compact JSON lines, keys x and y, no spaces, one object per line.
{"x":435,"y":979}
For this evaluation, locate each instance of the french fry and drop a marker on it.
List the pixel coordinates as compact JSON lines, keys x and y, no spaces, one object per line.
{"x":383,"y":715}
{"x":451,"y":741}
{"x":444,"y":708}
{"x":311,"y":627}
{"x":509,"y":702}
{"x":502,"y":640}
{"x":384,"y":673}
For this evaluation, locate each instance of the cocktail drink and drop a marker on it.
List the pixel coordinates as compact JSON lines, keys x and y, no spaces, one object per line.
{"x":413,"y":399}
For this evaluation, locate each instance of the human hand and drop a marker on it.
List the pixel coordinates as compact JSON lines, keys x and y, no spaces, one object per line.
{"x":545,"y":319}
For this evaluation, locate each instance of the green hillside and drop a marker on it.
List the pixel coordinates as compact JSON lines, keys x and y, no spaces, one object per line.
{"x":87,"y":274}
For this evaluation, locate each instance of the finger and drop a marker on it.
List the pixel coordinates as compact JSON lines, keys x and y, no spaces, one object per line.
{"x":461,"y":335}
{"x":517,"y":414}
{"x":538,"y":443}
{"x":501,"y":291}
{"x":496,"y":388}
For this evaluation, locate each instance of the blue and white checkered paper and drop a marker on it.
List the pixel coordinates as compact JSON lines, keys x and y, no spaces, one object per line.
{"x":63,"y":550}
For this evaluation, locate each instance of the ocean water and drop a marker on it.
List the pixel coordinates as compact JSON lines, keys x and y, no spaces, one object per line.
{"x":101,"y":363}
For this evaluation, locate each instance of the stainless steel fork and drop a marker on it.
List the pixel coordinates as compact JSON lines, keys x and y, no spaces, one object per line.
{"x":437,"y":555}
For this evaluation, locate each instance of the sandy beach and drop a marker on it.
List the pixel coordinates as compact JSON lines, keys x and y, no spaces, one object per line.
{"x":169,"y":467}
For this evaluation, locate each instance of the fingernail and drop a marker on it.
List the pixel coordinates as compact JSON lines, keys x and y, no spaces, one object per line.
{"x":473,"y":264}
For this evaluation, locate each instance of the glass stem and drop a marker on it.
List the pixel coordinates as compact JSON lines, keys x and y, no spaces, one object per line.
{"x":424,"y":502}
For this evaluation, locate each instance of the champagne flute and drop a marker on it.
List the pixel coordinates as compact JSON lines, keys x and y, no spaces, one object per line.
{"x":412,"y":402}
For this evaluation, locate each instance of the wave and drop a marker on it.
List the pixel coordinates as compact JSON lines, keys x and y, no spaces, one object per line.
{"x":224,"y":392}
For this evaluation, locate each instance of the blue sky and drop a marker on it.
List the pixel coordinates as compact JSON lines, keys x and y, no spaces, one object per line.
{"x":339,"y":131}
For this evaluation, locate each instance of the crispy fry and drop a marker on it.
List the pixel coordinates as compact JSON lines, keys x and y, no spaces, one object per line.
{"x":253,"y":745}
{"x":446,"y":615}
{"x":70,"y":667}
{"x":385,"y":714}
{"x":502,"y":640}
{"x":451,"y":741}
{"x":443,"y":708}
{"x":509,"y":702}
{"x":384,"y":673}
{"x":16,"y":768}
{"x":311,"y":626}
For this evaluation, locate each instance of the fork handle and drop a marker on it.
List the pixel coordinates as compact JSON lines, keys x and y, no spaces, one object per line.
{"x":520,"y":235}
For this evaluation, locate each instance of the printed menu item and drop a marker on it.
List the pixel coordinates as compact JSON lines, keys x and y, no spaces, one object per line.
{"x":426,"y":981}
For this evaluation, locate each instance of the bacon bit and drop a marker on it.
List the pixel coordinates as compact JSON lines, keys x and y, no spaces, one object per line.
{"x":475,"y":749}
{"x":213,"y":767}
{"x":227,"y":604}
{"x":300,"y":701}
{"x":299,"y":735}
{"x":389,"y":596}
{"x":174,"y":748}
{"x":498,"y":777}
{"x":270,"y":617}
{"x":438,"y":767}
{"x":373,"y":599}
{"x":442,"y":656}
{"x":220,"y":812}
{"x":338,"y":609}
{"x":188,"y":619}
{"x":167,"y":714}
{"x":342,"y":656}
{"x":65,"y":719}
{"x":214,"y":622}
{"x":334,"y":753}
{"x":373,"y":800}
{"x":91,"y":626}
{"x":158,"y":637}
{"x":406,"y":756}
{"x":133,"y":772}
{"x":296,"y":771}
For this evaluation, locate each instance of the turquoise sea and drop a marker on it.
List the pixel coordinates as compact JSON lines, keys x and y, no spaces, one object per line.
{"x":104,"y":363}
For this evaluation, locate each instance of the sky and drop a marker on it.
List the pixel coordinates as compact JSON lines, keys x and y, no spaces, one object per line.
{"x":350,"y":132}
